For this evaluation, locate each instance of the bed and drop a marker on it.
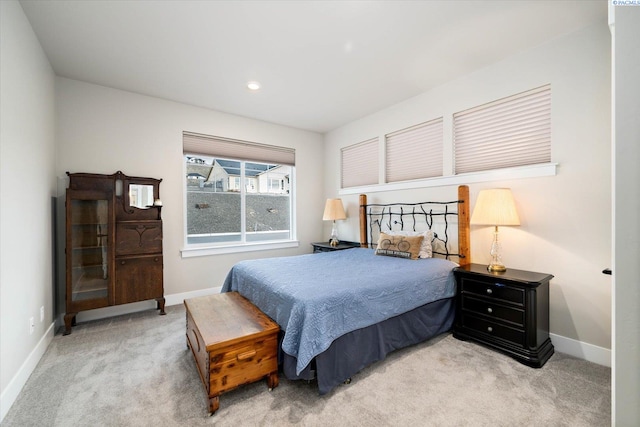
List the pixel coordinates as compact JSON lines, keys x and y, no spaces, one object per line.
{"x":344,"y":310}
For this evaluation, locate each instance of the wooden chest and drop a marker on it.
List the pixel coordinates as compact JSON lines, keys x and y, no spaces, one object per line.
{"x":233,"y":343}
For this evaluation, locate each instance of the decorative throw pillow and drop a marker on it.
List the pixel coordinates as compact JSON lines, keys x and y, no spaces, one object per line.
{"x":399,"y":246}
{"x":426,"y":248}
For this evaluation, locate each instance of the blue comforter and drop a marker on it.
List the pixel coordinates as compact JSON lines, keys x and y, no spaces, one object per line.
{"x":317,"y":298}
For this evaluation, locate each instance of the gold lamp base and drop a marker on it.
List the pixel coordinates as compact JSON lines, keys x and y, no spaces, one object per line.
{"x":496,"y":268}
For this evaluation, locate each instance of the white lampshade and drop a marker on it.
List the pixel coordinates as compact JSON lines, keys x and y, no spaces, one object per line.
{"x":333,"y":210}
{"x":495,"y":207}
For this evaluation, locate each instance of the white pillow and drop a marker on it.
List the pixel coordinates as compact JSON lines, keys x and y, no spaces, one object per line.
{"x":426,"y":250}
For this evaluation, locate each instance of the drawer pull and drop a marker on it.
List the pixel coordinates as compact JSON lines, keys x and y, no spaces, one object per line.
{"x":489,"y":310}
{"x":489,"y":291}
{"x":489,"y":329}
{"x":246,"y":355}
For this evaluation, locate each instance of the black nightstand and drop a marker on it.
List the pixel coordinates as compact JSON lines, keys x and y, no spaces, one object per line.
{"x":326,"y":246}
{"x":508,"y":312}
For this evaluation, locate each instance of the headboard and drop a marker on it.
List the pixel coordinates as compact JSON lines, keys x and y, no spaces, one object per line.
{"x":375,"y":218}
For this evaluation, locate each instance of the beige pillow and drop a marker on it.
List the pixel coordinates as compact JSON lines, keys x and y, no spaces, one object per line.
{"x":399,"y":246}
{"x":426,"y":249}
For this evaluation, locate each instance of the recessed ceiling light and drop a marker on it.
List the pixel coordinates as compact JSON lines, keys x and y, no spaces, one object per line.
{"x":253,"y":85}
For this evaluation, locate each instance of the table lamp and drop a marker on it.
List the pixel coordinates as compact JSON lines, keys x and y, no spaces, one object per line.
{"x":333,"y":211}
{"x":495,"y":207}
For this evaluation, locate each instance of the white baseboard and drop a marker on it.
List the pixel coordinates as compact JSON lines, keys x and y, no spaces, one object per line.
{"x":11,"y":392}
{"x":581,"y":350}
{"x":117,"y":310}
{"x":176,"y":299}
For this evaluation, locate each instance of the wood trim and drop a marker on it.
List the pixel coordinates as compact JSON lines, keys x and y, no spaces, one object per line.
{"x":464,"y":233}
{"x":363,"y":221}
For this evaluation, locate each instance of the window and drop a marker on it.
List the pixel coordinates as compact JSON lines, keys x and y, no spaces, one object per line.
{"x":359,"y":164}
{"x":237,"y":192}
{"x":415,"y":152}
{"x":513,"y":131}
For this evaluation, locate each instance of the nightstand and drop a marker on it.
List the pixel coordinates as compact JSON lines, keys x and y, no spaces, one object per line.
{"x":507,"y":311}
{"x":326,"y":246}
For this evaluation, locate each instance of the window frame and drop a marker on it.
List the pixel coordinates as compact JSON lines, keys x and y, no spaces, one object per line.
{"x":204,"y":249}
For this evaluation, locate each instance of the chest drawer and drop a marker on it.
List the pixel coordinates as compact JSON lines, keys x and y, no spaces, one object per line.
{"x":493,"y":329}
{"x":138,"y":237}
{"x":233,"y":343}
{"x":242,"y":363}
{"x":493,"y":290}
{"x":227,"y":367}
{"x":488,"y":308}
{"x":138,"y":278}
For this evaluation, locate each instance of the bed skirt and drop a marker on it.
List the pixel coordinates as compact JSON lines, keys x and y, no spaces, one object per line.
{"x":355,"y":350}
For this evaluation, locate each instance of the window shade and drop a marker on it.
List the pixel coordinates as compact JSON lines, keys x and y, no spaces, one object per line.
{"x":359,"y":164}
{"x":234,"y":149}
{"x":415,"y":152}
{"x":513,"y":131}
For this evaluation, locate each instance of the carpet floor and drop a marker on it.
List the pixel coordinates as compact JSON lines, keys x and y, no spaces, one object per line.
{"x":135,"y":370}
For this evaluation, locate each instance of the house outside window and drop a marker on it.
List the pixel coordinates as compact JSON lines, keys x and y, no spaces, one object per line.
{"x":234,"y":201}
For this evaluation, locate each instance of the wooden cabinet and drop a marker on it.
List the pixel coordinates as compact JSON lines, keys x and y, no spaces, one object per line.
{"x":113,"y":242}
{"x":506,"y":311}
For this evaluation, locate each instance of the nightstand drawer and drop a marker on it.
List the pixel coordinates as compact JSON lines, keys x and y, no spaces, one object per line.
{"x":493,"y":290}
{"x":487,"y":307}
{"x":493,"y":329}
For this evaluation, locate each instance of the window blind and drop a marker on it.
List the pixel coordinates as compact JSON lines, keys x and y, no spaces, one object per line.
{"x":415,"y":152}
{"x":512,"y":131}
{"x":359,"y":164}
{"x":234,"y":149}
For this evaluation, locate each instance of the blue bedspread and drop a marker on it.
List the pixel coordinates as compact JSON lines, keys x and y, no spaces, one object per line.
{"x":317,"y":298}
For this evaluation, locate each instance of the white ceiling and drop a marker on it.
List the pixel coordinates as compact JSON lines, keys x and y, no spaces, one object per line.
{"x":321,"y":63}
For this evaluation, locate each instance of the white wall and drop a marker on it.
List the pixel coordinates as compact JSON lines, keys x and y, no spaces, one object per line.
{"x":626,"y":175}
{"x":103,"y":130}
{"x":27,"y":185}
{"x":566,"y":220}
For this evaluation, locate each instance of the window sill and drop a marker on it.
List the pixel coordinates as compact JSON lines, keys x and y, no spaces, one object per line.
{"x":546,"y":169}
{"x":191,"y":252}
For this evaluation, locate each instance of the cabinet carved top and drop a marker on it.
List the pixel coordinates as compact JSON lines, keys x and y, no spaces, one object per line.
{"x":136,"y":198}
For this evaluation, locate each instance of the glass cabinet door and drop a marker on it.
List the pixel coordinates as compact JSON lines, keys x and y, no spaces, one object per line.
{"x":89,"y":247}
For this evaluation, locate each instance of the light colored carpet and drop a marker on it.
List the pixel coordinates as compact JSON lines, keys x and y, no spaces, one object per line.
{"x":136,"y":370}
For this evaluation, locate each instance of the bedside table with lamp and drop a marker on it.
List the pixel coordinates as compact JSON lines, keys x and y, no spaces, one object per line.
{"x":333,"y":211}
{"x":504,"y":309}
